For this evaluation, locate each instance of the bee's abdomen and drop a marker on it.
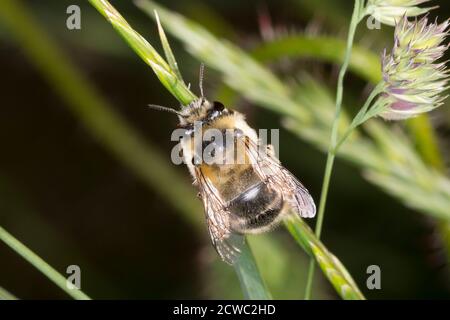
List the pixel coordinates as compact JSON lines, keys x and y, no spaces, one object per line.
{"x":255,"y":209}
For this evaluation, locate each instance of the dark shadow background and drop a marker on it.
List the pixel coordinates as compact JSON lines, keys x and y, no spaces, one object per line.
{"x":72,"y":202}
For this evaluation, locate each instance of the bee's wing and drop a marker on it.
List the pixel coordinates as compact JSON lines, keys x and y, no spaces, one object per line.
{"x":226,"y":243}
{"x":278,"y":177}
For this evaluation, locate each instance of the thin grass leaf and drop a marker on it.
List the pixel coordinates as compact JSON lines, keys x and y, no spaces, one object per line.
{"x":332,"y":268}
{"x":425,"y":139}
{"x":40,"y":264}
{"x":15,"y":204}
{"x":167,"y":50}
{"x":163,"y":71}
{"x":252,"y":284}
{"x":363,"y":62}
{"x":6,"y":295}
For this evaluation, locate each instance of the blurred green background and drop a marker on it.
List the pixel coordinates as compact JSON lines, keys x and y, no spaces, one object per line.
{"x":73,"y":202}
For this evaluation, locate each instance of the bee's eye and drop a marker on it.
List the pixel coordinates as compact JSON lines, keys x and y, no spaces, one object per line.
{"x":218,"y":106}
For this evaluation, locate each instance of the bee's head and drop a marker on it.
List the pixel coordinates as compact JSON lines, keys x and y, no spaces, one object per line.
{"x":198,"y":110}
{"x":201,"y":110}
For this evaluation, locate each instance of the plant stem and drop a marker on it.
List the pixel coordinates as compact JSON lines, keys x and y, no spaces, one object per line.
{"x":40,"y":264}
{"x":144,"y":49}
{"x":332,"y":269}
{"x":318,"y":230}
{"x":356,"y":16}
{"x":6,"y":295}
{"x":361,"y":116}
{"x":252,"y":284}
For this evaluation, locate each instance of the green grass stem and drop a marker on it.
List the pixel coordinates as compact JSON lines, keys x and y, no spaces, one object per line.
{"x":40,"y":265}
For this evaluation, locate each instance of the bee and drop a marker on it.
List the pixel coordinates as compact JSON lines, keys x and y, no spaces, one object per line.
{"x":240,"y":197}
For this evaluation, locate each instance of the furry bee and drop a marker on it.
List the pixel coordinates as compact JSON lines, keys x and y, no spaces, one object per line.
{"x":251,"y":196}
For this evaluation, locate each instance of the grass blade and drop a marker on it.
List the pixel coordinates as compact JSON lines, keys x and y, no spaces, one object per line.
{"x":363,"y":62}
{"x":332,"y":268}
{"x":6,"y":295}
{"x":40,"y":264}
{"x":167,"y":50}
{"x":252,"y":284}
{"x":165,"y":74}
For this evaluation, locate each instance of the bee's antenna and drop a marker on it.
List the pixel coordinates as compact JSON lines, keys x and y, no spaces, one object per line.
{"x":166,"y":109}
{"x":200,"y":81}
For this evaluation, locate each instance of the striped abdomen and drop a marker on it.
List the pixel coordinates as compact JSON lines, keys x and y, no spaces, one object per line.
{"x":255,"y":209}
